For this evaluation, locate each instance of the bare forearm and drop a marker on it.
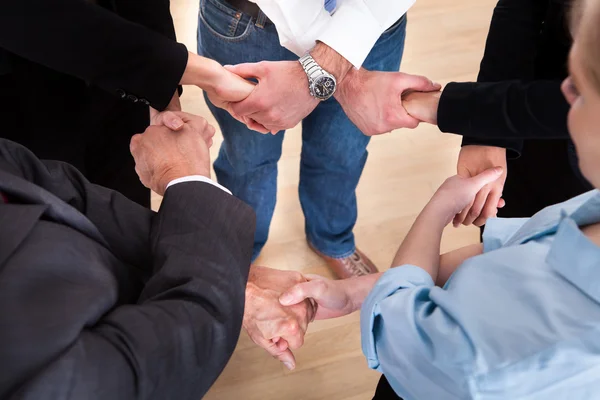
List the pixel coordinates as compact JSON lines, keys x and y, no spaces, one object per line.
{"x":201,"y":71}
{"x":359,"y":288}
{"x":450,"y":261}
{"x":331,"y":61}
{"x":421,"y":247}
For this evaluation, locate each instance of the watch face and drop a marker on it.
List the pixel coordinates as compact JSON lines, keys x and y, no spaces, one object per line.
{"x":324,"y":87}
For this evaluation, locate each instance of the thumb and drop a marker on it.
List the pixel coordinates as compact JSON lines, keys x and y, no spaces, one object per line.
{"x":169,"y":119}
{"x":246,"y":70}
{"x":486,"y":177}
{"x":419,"y":83}
{"x":302,"y":291}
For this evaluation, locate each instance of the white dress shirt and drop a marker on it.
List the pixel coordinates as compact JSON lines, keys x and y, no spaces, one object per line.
{"x":351,"y":29}
{"x":197,"y":178}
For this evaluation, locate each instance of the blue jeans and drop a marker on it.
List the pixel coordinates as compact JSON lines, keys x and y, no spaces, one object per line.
{"x":334,"y":151}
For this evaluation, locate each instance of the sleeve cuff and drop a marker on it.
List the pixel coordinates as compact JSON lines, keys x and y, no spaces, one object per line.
{"x":499,"y":230}
{"x":394,"y":280}
{"x":513,"y":147}
{"x":198,"y":178}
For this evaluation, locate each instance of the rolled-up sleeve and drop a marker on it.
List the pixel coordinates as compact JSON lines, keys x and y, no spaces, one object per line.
{"x":391,"y":282}
{"x":410,"y":338}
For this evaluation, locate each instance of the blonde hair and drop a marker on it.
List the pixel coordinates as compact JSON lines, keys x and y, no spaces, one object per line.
{"x":585,"y":21}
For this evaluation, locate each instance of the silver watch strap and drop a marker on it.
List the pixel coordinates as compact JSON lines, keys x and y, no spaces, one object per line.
{"x":311,"y":67}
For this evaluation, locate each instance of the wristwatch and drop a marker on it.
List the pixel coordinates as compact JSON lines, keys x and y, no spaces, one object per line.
{"x":321,"y":83}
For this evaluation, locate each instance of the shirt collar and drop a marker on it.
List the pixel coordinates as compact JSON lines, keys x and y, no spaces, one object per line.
{"x":575,"y":257}
{"x":583,"y":210}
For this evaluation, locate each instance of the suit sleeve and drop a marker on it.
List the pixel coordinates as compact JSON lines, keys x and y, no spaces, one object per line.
{"x":504,"y":113}
{"x":86,"y":41}
{"x":510,"y":53}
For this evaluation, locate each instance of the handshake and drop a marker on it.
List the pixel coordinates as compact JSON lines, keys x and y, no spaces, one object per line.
{"x":177,"y":145}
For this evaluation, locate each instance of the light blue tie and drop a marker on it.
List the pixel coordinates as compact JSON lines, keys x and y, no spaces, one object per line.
{"x":330,"y":5}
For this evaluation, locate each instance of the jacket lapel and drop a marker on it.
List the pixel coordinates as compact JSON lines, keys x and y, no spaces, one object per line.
{"x":54,"y":208}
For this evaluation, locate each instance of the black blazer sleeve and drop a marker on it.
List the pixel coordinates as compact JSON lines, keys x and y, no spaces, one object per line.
{"x":85,"y":40}
{"x":176,"y":339}
{"x":504,"y":113}
{"x":510,"y":52}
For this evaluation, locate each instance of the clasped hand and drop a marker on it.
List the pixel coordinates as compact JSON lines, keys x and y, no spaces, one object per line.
{"x":372,"y":100}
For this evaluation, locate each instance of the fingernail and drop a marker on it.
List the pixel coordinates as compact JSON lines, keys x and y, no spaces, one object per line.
{"x":289,"y":366}
{"x":176,"y":123}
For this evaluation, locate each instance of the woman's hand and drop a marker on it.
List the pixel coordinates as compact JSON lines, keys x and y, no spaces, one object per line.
{"x":334,"y":298}
{"x":457,"y":193}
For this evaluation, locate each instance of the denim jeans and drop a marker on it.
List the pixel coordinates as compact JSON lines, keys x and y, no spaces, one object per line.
{"x":334,"y":151}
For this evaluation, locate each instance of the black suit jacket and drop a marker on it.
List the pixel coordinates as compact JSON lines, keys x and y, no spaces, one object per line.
{"x":103,"y":299}
{"x":517,"y":95}
{"x":77,"y":77}
{"x":126,"y":47}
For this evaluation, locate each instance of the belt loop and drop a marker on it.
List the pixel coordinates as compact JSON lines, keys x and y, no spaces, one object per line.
{"x":261,"y":20}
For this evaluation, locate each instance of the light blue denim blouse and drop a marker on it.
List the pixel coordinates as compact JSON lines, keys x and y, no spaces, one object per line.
{"x":521,"y":321}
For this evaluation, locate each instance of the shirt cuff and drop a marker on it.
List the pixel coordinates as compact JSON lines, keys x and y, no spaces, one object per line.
{"x":392,"y":281}
{"x":354,"y":30}
{"x":197,"y":178}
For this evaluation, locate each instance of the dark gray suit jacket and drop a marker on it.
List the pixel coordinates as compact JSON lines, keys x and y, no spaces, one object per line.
{"x":103,"y":299}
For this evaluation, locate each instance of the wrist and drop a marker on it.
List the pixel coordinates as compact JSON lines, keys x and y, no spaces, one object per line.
{"x":202,"y":72}
{"x":177,"y":173}
{"x":437,"y":214}
{"x":350,"y":86}
{"x":331,"y":61}
{"x":359,"y":288}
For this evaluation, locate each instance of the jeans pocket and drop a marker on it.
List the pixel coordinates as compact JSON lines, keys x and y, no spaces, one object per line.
{"x":223,"y":21}
{"x":397,"y":24}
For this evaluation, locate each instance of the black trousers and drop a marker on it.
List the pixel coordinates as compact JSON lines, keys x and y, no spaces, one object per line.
{"x":384,"y":391}
{"x":61,"y":118}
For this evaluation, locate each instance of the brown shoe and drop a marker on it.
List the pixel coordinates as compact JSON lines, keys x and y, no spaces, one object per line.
{"x":357,"y":264}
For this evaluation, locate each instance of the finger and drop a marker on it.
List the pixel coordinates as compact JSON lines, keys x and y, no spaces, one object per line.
{"x":169,"y":119}
{"x":501,"y":203}
{"x":281,"y":344}
{"x":285,"y":356}
{"x":418,"y":83}
{"x":255,"y":126}
{"x":301,"y":291}
{"x":247,"y":70}
{"x":458,"y":219}
{"x":251,"y":105}
{"x":490,"y":208}
{"x":477,"y":207}
{"x":486,"y":177}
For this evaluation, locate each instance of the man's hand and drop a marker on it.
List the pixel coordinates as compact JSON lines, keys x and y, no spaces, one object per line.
{"x":422,"y":106}
{"x":280,"y":100}
{"x":457,"y":193}
{"x":162,"y":155}
{"x":373,"y":100}
{"x":270,"y":325}
{"x":472,"y":161}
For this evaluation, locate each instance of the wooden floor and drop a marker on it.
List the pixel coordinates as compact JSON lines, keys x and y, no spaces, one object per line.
{"x":445,"y":42}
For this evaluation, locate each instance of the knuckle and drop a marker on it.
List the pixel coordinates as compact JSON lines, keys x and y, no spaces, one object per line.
{"x":297,"y":276}
{"x":292,"y":327}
